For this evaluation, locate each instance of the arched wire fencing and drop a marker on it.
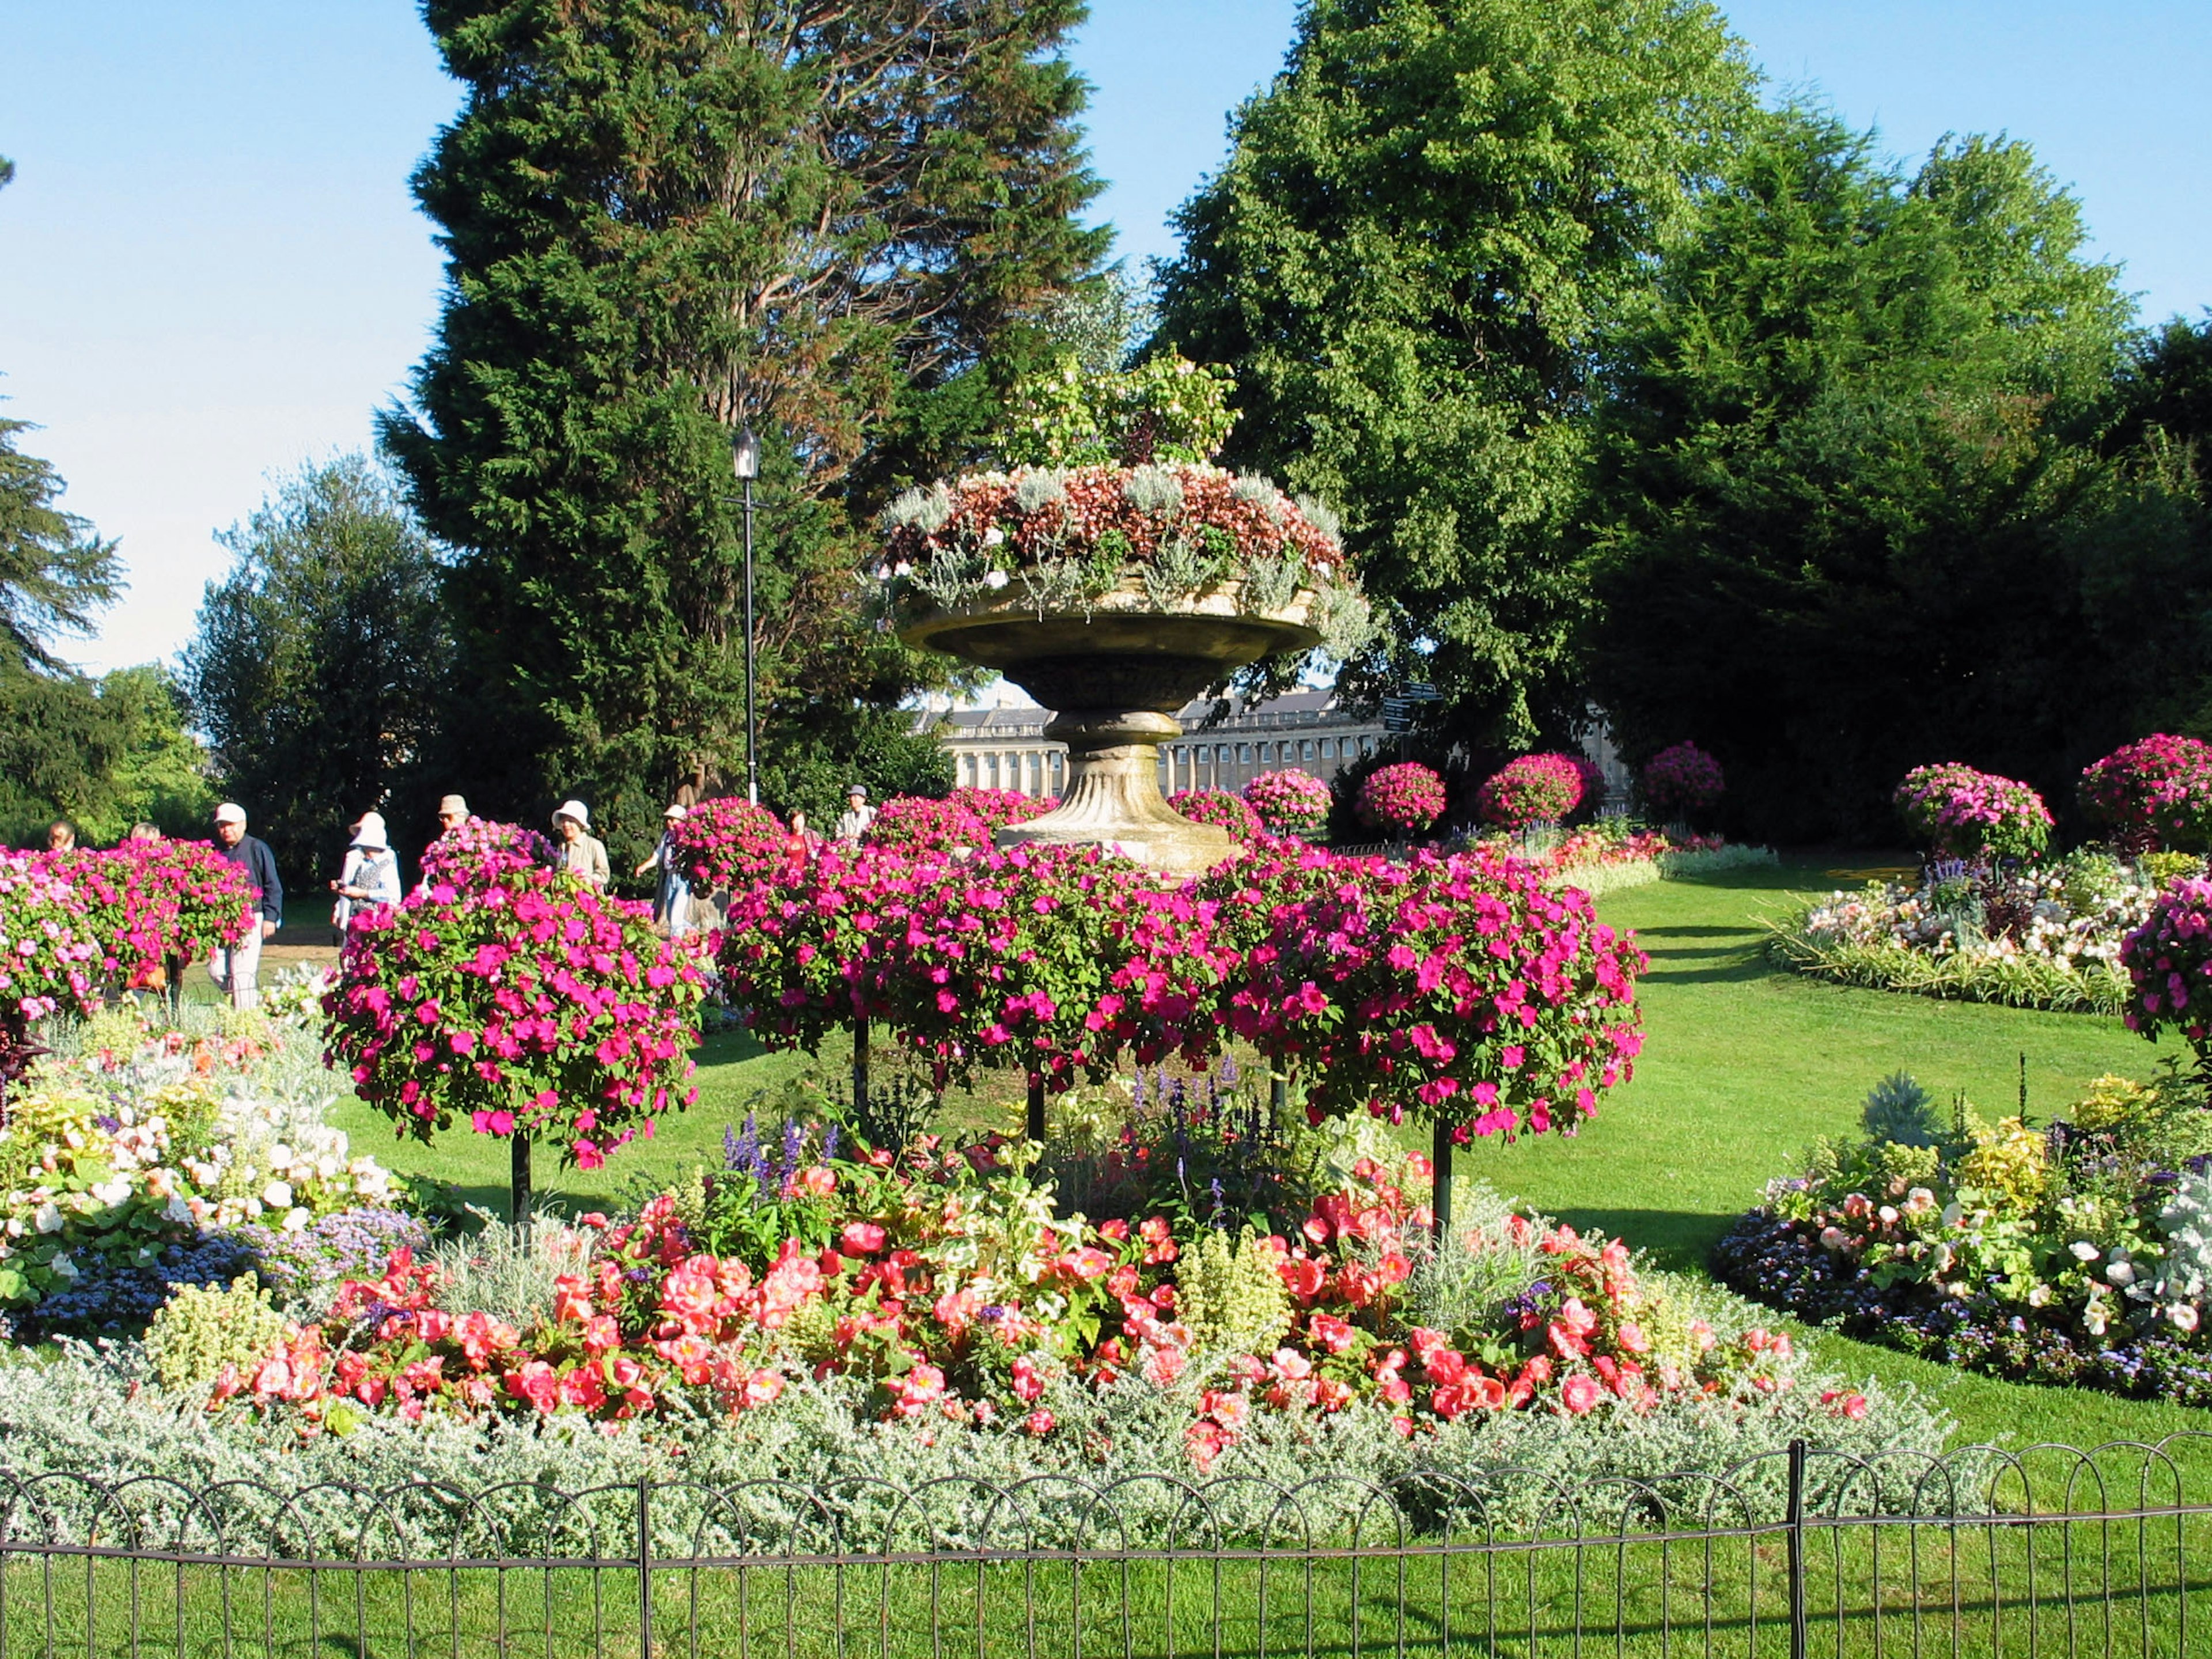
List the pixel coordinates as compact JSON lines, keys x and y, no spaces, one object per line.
{"x":2049,"y":1549}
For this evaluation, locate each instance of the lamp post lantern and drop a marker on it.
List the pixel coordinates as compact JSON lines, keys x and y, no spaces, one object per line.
{"x":744,"y":461}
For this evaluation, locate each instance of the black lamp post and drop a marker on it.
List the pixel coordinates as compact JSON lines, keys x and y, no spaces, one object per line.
{"x":744,"y":460}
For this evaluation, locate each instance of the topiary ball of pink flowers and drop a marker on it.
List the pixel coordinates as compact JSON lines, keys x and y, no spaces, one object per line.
{"x":1216,"y":807}
{"x":919,"y":825}
{"x":1289,"y":802}
{"x":2169,"y":964}
{"x":724,"y":842}
{"x":2156,"y":791}
{"x":150,"y":904}
{"x":1955,"y":811}
{"x":50,"y":955}
{"x":1532,"y":790}
{"x":1404,"y":798}
{"x":997,"y":808}
{"x":532,"y":1002}
{"x":1682,"y":782}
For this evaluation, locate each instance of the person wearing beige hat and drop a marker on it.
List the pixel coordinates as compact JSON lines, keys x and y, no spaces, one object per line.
{"x":370,"y":875}
{"x":672,"y":894}
{"x":582,"y":855}
{"x":237,"y":969}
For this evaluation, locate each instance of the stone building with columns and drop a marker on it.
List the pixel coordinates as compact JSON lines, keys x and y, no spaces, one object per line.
{"x":1007,"y":748}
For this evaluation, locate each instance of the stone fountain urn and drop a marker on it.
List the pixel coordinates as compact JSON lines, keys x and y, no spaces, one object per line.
{"x":1114,"y":596}
{"x":1117,"y":673}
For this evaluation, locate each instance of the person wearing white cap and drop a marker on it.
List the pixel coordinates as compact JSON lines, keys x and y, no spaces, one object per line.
{"x":370,"y":875}
{"x":672,"y":894}
{"x":238,"y":969}
{"x":582,"y":855}
{"x":853,"y":822}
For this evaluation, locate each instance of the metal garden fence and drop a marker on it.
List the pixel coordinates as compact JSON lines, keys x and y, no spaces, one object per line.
{"x":2051,"y":1550}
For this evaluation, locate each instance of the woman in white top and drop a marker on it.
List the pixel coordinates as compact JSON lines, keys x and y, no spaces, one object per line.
{"x":371,"y":873}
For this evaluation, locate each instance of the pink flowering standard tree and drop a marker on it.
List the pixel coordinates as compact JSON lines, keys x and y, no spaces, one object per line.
{"x":2169,"y":964}
{"x":1403,"y":799}
{"x":922,"y":826}
{"x":724,"y":842}
{"x":2156,"y":791}
{"x":153,"y":907}
{"x":1532,"y":790}
{"x":1219,"y":808}
{"x":533,"y":1005}
{"x":1459,"y":990}
{"x":801,"y":959}
{"x":1955,"y":811}
{"x":1683,"y":782}
{"x":1289,"y":802}
{"x":50,"y":958}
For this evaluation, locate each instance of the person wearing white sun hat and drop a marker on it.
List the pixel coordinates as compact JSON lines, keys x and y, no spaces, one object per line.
{"x":370,"y":875}
{"x":671,"y":897}
{"x":582,"y":855}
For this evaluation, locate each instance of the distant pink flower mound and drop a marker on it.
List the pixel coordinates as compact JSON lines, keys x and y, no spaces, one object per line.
{"x":1534,"y":789}
{"x":1405,"y":799}
{"x":1682,"y":782}
{"x":920,"y":824}
{"x":1289,"y":802}
{"x":998,"y":808}
{"x":2156,"y":791}
{"x":1216,"y":807}
{"x":1956,"y":812}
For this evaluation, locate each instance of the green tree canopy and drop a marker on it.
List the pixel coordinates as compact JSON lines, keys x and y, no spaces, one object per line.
{"x":1406,"y":260}
{"x":56,"y":575}
{"x":1851,"y":518}
{"x":664,"y":218}
{"x":316,"y":668}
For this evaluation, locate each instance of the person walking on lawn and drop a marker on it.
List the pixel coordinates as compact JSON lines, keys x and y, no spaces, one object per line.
{"x":237,"y":971}
{"x":370,"y":876}
{"x":582,"y":855}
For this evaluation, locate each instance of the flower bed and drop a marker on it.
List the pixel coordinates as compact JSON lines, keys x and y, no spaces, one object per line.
{"x":1614,"y":854}
{"x":2076,"y":1254}
{"x":2037,"y":937}
{"x":1954,"y":811}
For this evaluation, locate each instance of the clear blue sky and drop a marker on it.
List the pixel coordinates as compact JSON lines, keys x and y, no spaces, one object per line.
{"x":210,"y":270}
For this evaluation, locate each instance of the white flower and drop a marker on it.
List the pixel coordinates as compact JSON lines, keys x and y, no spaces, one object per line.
{"x":883,"y":573}
{"x":277,"y":1195}
{"x":279,"y":1154}
{"x":2183,"y":1315}
{"x":112,"y":1192}
{"x":63,"y":1267}
{"x":48,"y":1218}
{"x":993,"y":536}
{"x":2083,"y":1250}
{"x":2120,"y":1272}
{"x":296,"y":1219}
{"x":2039,"y":1296}
{"x":903,"y":568}
{"x":994,"y":579}
{"x":178,"y":1211}
{"x":1888,"y":1214}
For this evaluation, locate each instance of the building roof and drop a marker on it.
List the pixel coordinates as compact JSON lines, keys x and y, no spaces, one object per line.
{"x":1303,"y":708}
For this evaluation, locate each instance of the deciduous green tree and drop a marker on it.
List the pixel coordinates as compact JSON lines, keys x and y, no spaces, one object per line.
{"x":664,"y":218}
{"x":1852,"y":515}
{"x":1406,"y":259}
{"x":316,"y":668}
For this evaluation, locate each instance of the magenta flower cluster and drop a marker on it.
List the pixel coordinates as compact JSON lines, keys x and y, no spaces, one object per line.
{"x":1218,"y":808}
{"x":920,"y":824}
{"x":1531,"y":790}
{"x":1289,"y":802}
{"x":477,"y":851}
{"x":725,"y":841}
{"x":1404,"y":798}
{"x":152,"y":905}
{"x":997,"y":808}
{"x":1457,"y":990}
{"x":2155,"y":792}
{"x":1954,"y":811}
{"x":531,"y":1003}
{"x":49,"y":953}
{"x":2169,"y":964}
{"x":1682,"y":781}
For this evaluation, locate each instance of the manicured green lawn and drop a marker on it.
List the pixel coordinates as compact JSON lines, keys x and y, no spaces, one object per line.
{"x":1744,"y":1066}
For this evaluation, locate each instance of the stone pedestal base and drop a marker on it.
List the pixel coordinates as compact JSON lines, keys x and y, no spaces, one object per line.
{"x":1113,"y":795}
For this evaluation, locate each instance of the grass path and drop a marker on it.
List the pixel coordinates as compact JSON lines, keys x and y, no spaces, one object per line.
{"x":1744,"y":1065}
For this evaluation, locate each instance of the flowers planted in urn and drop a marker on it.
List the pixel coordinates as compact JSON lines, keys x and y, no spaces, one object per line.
{"x":2156,"y":791}
{"x":1532,"y":790}
{"x":1289,"y":802}
{"x":1403,"y":799}
{"x":1114,"y":573}
{"x":1954,"y":811}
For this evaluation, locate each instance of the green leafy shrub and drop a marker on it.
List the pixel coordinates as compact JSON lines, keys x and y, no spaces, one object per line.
{"x":200,"y":1332}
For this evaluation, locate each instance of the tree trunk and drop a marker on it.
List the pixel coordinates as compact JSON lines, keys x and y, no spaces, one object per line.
{"x":1440,"y":1154}
{"x":1036,"y":1125}
{"x":519,"y":1196}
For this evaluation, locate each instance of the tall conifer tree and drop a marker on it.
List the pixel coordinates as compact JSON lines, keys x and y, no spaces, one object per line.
{"x":665,"y":218}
